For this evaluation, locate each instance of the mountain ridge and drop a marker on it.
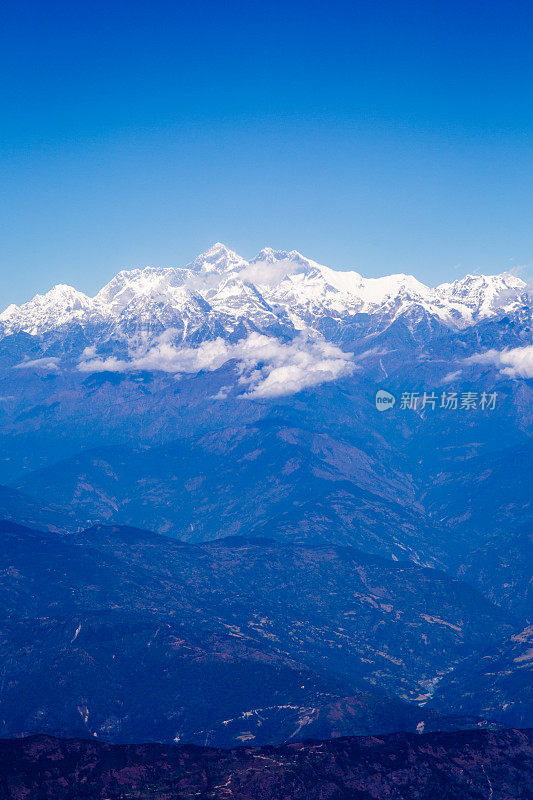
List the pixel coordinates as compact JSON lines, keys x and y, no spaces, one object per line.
{"x":288,"y":288}
{"x":473,"y":764}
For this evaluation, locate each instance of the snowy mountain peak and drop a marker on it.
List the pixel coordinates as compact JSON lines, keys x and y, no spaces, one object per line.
{"x":270,"y":256}
{"x":8,"y":312}
{"x":506,"y":280}
{"x":61,"y":293}
{"x":60,"y":296}
{"x":218,"y":258}
{"x":150,"y":282}
{"x":59,"y":306}
{"x":483,"y":295}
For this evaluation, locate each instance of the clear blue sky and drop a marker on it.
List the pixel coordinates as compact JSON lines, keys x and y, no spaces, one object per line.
{"x":388,"y":136}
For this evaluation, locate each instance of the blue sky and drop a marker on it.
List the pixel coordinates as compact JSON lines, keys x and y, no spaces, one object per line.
{"x":385,"y":136}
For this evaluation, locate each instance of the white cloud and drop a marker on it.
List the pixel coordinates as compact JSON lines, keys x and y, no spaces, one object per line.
{"x":452,"y":376}
{"x":374,"y":352}
{"x":267,"y":273}
{"x":50,"y":363}
{"x":515,"y":363}
{"x":111,"y":364}
{"x":267,"y":367}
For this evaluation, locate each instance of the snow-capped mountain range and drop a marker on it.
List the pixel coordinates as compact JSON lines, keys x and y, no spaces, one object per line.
{"x":222,"y":294}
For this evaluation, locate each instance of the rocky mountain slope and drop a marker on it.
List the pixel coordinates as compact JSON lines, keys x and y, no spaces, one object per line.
{"x":468,"y":764}
{"x":127,"y":635}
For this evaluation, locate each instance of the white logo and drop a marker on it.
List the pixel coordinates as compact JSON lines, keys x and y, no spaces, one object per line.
{"x":384,"y":400}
